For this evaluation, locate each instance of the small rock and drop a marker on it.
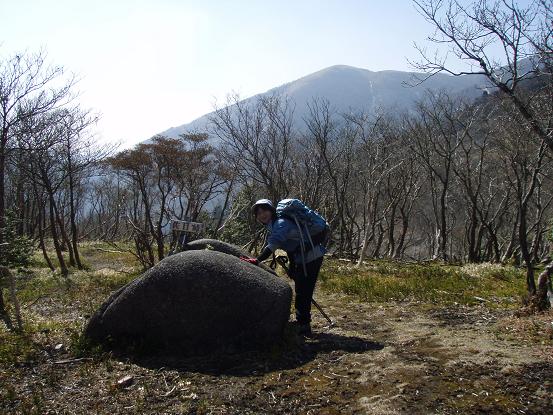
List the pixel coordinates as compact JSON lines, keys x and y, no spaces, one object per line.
{"x":125,"y":381}
{"x":58,"y":347}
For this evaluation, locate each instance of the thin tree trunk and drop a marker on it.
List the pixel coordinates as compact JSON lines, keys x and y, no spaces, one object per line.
{"x":401,"y":242}
{"x":57,"y":246}
{"x":3,"y":142}
{"x":13,"y":296}
{"x":391,"y":232}
{"x":495,"y":243}
{"x":73,"y":221}
{"x":41,"y":220}
{"x":370,"y":230}
{"x":471,"y":237}
{"x":512,"y":241}
{"x":525,"y":253}
{"x":224,"y":208}
{"x":149,"y":225}
{"x":20,"y":198}
{"x":369,"y":235}
{"x":66,"y":242}
{"x":376,"y":252}
{"x":441,"y":235}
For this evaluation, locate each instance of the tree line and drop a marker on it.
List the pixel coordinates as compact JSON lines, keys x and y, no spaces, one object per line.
{"x":450,"y":180}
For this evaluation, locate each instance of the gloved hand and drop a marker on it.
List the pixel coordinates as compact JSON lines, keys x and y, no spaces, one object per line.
{"x":250,"y":260}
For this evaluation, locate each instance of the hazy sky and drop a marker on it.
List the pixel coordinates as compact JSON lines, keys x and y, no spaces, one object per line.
{"x":150,"y":65}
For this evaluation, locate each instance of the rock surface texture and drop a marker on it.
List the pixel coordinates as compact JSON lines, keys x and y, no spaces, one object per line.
{"x":196,"y":302}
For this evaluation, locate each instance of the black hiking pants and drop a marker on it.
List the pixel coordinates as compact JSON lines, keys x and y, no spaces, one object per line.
{"x":305,"y":285}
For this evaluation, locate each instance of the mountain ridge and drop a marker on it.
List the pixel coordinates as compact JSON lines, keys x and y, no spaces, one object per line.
{"x":350,"y":88}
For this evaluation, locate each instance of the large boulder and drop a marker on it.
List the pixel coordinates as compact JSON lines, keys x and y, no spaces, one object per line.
{"x":195,"y":302}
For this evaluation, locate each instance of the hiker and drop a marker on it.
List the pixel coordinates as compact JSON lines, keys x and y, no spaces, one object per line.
{"x":305,"y":253}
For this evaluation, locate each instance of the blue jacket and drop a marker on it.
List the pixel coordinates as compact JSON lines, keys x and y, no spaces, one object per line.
{"x":284,"y":234}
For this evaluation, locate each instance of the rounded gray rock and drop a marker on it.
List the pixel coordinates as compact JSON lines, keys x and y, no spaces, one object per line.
{"x":195,"y":302}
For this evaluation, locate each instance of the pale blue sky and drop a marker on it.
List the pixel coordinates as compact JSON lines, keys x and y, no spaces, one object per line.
{"x":149,"y":65}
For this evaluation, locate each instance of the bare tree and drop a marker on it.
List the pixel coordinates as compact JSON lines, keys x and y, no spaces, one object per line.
{"x":29,"y":87}
{"x":523,"y":166}
{"x":375,"y":156}
{"x":257,"y":137}
{"x":80,"y":154}
{"x":332,"y":156}
{"x":435,"y":139}
{"x":469,"y":34}
{"x":136,"y":167}
{"x":42,"y":140}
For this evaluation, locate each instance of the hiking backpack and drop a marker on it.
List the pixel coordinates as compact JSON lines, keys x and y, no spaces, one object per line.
{"x":315,"y":226}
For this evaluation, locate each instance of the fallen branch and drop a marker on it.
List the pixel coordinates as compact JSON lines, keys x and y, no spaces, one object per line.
{"x":110,"y":251}
{"x":32,"y":303}
{"x":169,"y":393}
{"x":122,"y":271}
{"x":69,"y":361}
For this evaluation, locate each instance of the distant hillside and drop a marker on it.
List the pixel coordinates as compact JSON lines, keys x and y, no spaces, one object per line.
{"x":349,"y":88}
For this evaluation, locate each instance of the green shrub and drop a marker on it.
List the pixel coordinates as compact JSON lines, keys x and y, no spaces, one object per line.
{"x":15,"y":250}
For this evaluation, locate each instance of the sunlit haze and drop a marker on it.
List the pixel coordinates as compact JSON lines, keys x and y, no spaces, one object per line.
{"x":147,"y":66}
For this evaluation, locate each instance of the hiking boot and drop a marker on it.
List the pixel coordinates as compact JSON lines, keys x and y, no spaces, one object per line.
{"x":304,"y":330}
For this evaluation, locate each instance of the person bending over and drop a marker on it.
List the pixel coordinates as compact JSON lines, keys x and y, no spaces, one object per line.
{"x":284,"y":234}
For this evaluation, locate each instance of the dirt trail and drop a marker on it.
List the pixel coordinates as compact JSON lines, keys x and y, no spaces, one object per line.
{"x":443,"y":360}
{"x":377,"y":359}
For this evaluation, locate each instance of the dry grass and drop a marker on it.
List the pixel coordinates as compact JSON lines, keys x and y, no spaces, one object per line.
{"x":494,"y":285}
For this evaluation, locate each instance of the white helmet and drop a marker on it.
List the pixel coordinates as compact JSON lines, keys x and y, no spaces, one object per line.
{"x":263,"y":203}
